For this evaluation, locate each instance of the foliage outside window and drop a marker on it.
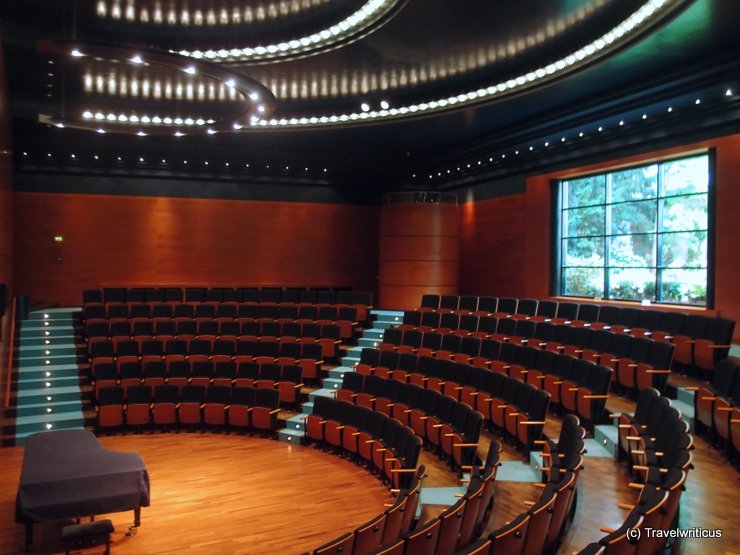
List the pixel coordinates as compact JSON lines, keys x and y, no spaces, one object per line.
{"x":637,"y":234}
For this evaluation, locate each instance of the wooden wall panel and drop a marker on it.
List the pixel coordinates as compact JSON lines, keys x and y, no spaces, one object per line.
{"x":427,"y":247}
{"x":128,"y":240}
{"x":419,"y":252}
{"x":505,"y":242}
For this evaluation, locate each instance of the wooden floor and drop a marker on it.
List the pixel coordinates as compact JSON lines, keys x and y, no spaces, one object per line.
{"x":216,"y":494}
{"x":219,"y":494}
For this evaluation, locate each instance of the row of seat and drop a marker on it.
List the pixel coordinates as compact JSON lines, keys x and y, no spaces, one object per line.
{"x":450,"y":427}
{"x":574,"y":385}
{"x":395,"y":522}
{"x":701,"y":341}
{"x":452,"y":530}
{"x":287,"y":379}
{"x":658,"y":446}
{"x":154,"y":295}
{"x":192,"y":406}
{"x":539,"y":529}
{"x":636,"y":361}
{"x":218,"y":350}
{"x":717,"y":407}
{"x":388,"y":447}
{"x":212,"y":329}
{"x":221,"y":313}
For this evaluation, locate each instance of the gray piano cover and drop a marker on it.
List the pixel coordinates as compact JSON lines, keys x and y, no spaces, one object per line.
{"x":68,"y":473}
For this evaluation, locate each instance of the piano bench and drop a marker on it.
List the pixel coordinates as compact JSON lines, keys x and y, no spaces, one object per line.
{"x":87,"y":534}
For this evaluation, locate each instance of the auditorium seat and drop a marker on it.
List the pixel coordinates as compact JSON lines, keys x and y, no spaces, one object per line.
{"x":164,"y":408}
{"x":110,"y":408}
{"x":424,"y":540}
{"x":242,"y":401}
{"x":341,"y":546}
{"x":510,"y":538}
{"x":265,"y":410}
{"x":368,"y":537}
{"x":218,"y":398}
{"x":715,"y":344}
{"x":189,"y":409}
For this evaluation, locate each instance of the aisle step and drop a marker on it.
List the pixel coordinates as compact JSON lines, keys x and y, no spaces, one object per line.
{"x":287,"y":435}
{"x":607,"y":436}
{"x":684,"y":395}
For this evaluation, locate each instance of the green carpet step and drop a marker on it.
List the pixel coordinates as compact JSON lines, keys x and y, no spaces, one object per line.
{"x":62,"y":340}
{"x":368,"y":342}
{"x":21,"y":435}
{"x":40,"y":350}
{"x":307,"y":408}
{"x":290,"y":436}
{"x":350,"y":362}
{"x":518,"y":471}
{"x":33,"y":325}
{"x":339,"y":372}
{"x":323,"y":392}
{"x":446,"y":496}
{"x":41,"y":423}
{"x":384,"y":325}
{"x":41,"y":373}
{"x":596,"y":448}
{"x":685,"y":396}
{"x":54,"y":313}
{"x":58,"y":332}
{"x":46,"y":383}
{"x":607,"y":436}
{"x":373,"y":333}
{"x":296,"y":423}
{"x":40,"y":409}
{"x":687,"y":410}
{"x":392,"y":316}
{"x":46,"y":361}
{"x":331,"y":383}
{"x":38,"y":396}
{"x":32,"y":368}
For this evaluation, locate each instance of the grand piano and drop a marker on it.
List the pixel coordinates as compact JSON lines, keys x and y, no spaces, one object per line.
{"x":69,"y":474}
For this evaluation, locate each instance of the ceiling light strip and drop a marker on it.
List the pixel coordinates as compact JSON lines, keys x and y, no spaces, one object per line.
{"x":368,"y":15}
{"x":648,"y":13}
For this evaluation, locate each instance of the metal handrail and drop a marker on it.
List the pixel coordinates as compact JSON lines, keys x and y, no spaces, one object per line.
{"x":11,"y":345}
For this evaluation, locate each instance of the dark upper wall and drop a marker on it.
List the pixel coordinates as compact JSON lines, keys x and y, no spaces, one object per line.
{"x":506,"y":244}
{"x":6,"y":210}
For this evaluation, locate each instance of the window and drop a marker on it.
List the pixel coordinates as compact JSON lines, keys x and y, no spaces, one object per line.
{"x":638,"y":234}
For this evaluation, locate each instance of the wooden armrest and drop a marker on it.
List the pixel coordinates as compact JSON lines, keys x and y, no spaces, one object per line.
{"x":449,"y":435}
{"x":402,"y":470}
{"x":488,"y":400}
{"x":635,"y":485}
{"x":709,"y":398}
{"x":637,"y":452}
{"x":407,"y":411}
{"x":624,"y":426}
{"x":436,"y":425}
{"x":381,"y":449}
{"x":633,"y":438}
{"x":546,"y":455}
{"x":340,"y":427}
{"x":539,"y":442}
{"x":540,"y":377}
{"x":369,"y":441}
{"x":274,"y":411}
{"x":557,"y":382}
{"x":459,"y":494}
{"x":356,"y":433}
{"x":718,"y":346}
{"x":423,"y":418}
{"x":474,"y":393}
{"x":529,"y":503}
{"x":735,"y":421}
{"x":626,"y":506}
{"x":458,"y":388}
{"x":724,"y":409}
{"x":533,"y":422}
{"x":513,"y":414}
{"x":539,"y":485}
{"x":465,"y":445}
{"x":691,"y":388}
{"x":572,"y":389}
{"x":595,"y":397}
{"x":640,"y":467}
{"x":501,"y":406}
{"x":607,"y":530}
{"x":657,"y":371}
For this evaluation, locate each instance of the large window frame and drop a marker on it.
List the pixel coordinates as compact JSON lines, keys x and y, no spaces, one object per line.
{"x":591,"y":227}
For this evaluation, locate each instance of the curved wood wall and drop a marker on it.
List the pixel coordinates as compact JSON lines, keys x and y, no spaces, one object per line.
{"x":419,"y":252}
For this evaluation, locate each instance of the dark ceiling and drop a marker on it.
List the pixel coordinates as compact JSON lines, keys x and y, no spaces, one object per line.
{"x":419,"y":53}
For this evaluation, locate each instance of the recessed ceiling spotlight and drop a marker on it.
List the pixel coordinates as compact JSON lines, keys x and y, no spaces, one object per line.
{"x":164,"y":161}
{"x":141,"y":134}
{"x":206,"y":162}
{"x":119,"y":158}
{"x":503,"y":156}
{"x":531,"y":148}
{"x":600,"y":129}
{"x":697,"y":101}
{"x":184,"y":161}
{"x":141,"y":159}
{"x":96,"y":157}
{"x":728,"y":92}
{"x":621,"y":122}
{"x":562,"y":139}
{"x":384,"y":104}
{"x":48,"y":154}
{"x":230,"y":83}
{"x":670,"y":108}
{"x":547,"y":143}
{"x":136,"y":59}
{"x":75,"y":54}
{"x":72,"y":156}
{"x":179,"y":134}
{"x":101,"y":131}
{"x":60,"y":125}
{"x":190,"y":70}
{"x":211,"y":131}
{"x":516,"y":152}
{"x":25,"y":153}
{"x":226,"y":164}
{"x":644,"y":116}
{"x":580,"y":134}
{"x":325,"y":169}
{"x":365,"y":107}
